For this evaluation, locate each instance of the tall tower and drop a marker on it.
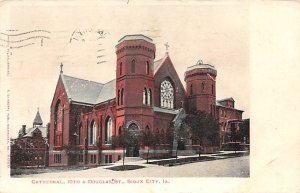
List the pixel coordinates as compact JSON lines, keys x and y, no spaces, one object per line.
{"x":134,"y":81}
{"x":201,"y":87}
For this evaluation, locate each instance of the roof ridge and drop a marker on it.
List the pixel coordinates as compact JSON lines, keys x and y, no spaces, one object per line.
{"x":83,"y":79}
{"x":109,"y":81}
{"x":160,"y":61}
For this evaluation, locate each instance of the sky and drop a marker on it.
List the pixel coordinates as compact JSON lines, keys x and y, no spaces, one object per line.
{"x":83,"y":38}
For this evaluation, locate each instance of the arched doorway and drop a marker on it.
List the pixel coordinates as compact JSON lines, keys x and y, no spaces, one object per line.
{"x":132,"y":142}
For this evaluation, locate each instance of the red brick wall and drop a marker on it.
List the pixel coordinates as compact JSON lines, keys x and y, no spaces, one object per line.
{"x":134,"y":83}
{"x":201,"y":98}
{"x":162,"y":121}
{"x":59,"y":95}
{"x":225,"y":114}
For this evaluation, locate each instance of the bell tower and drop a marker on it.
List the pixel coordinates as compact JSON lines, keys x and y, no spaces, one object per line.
{"x":135,"y":80}
{"x":201,"y":87}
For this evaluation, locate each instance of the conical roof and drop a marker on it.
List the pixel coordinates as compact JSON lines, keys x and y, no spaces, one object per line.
{"x":37,"y":120}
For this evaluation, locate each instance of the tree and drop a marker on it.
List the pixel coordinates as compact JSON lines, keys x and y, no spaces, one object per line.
{"x":180,"y":133}
{"x":245,"y":130}
{"x":71,"y":151}
{"x":204,"y":128}
{"x":126,"y":139}
{"x":235,"y":136}
{"x":148,"y":139}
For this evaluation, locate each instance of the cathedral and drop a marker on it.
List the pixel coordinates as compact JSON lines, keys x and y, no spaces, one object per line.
{"x":146,"y":94}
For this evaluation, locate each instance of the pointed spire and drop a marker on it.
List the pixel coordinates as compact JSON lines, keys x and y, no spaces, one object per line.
{"x":167,"y":48}
{"x":61,"y":68}
{"x":37,"y":120}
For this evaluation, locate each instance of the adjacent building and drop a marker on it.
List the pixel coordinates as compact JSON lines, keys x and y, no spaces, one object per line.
{"x":30,"y":149}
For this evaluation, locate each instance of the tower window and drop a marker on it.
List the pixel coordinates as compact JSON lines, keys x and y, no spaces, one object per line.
{"x":122,"y":96}
{"x":119,"y":97}
{"x":121,"y":68}
{"x":147,"y":68}
{"x":191,"y":90}
{"x":145,"y":96}
{"x":149,"y":97}
{"x":212,"y":89}
{"x":203,"y":86}
{"x":133,"y":66}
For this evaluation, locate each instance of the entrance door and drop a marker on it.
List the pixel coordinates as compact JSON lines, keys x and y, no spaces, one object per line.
{"x":132,"y":142}
{"x":181,"y":145}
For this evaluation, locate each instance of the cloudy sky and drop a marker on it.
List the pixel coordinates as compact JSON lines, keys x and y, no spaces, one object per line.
{"x":83,"y":38}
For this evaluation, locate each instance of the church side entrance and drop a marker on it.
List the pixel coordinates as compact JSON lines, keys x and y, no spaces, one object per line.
{"x":132,"y":142}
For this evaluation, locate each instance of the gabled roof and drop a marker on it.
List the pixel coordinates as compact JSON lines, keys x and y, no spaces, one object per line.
{"x":158,"y":63}
{"x":30,"y":131}
{"x":108,"y":92}
{"x":37,"y":120}
{"x":89,"y":92}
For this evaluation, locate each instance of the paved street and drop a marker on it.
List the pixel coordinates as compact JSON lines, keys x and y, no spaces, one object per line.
{"x":231,"y":167}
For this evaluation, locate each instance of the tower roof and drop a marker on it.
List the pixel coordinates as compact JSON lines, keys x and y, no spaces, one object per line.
{"x":135,"y":37}
{"x":200,"y":65}
{"x":37,"y":120}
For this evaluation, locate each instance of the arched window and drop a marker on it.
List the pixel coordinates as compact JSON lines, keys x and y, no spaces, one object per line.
{"x":133,"y":129}
{"x":120,"y":130}
{"x":122,"y":96}
{"x":191,"y":89}
{"x":58,"y":123}
{"x":92,"y":133}
{"x":147,"y":68}
{"x":212,"y":89}
{"x":145,"y":96}
{"x":133,"y":66}
{"x":149,"y":97}
{"x":100,"y":128}
{"x":166,"y":94}
{"x":121,"y":68}
{"x":108,"y":130}
{"x":147,"y":128}
{"x":203,"y":86}
{"x":119,"y":95}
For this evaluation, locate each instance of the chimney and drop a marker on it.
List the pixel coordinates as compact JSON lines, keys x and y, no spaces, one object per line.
{"x":24,"y":129}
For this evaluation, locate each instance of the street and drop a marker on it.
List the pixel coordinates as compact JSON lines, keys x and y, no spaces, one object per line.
{"x":231,"y":167}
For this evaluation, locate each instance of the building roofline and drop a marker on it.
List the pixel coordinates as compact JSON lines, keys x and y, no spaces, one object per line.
{"x":225,"y":99}
{"x":218,"y":105}
{"x":135,"y":37}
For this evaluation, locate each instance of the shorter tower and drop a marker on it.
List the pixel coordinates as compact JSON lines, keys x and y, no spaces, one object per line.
{"x":201,"y":88}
